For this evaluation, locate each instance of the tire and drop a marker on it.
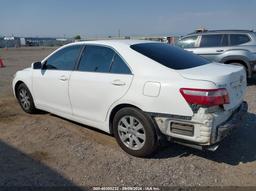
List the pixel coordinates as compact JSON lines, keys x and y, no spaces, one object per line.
{"x":135,"y":132}
{"x":25,"y":99}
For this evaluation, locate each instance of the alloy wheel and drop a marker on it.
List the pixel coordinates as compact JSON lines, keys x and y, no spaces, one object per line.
{"x":24,"y":98}
{"x":131,"y":132}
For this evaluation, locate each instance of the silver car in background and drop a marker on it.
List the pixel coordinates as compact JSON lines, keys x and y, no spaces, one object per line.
{"x":225,"y":46}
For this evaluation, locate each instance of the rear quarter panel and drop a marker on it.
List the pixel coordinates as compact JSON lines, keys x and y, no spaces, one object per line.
{"x":169,"y":99}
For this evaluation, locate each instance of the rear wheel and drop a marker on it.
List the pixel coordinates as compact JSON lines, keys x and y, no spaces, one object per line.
{"x":135,"y":132}
{"x":25,"y":99}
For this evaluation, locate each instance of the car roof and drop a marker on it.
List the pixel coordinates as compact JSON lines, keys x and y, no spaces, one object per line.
{"x":113,"y":42}
{"x":221,"y":31}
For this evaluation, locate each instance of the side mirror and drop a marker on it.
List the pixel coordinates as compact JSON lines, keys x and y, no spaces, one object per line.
{"x":37,"y":65}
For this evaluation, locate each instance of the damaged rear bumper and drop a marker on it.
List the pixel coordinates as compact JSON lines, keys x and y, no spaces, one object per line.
{"x":232,"y":123}
{"x":204,"y":130}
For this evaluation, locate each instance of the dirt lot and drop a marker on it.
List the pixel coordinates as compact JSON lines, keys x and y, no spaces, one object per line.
{"x":45,"y":150}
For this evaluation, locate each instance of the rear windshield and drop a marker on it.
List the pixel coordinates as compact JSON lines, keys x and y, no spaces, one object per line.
{"x":169,"y":56}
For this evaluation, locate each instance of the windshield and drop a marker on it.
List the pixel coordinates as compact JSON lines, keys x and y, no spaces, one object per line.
{"x":169,"y":56}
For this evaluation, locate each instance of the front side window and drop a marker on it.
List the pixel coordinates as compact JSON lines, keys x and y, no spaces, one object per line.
{"x":64,"y":59}
{"x":237,"y":39}
{"x":169,"y":56}
{"x":211,"y":40}
{"x":187,"y":42}
{"x":96,"y":59}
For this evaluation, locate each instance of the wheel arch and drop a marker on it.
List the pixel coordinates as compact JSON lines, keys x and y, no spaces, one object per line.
{"x":161,"y":139}
{"x":21,"y":82}
{"x":17,"y":85}
{"x":115,"y":110}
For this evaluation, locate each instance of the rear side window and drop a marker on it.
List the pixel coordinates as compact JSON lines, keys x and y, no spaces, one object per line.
{"x":211,"y":40}
{"x":187,"y":42}
{"x":224,"y":41}
{"x":96,"y":59}
{"x":169,"y":56}
{"x":236,"y":39}
{"x":64,"y":59}
{"x":119,"y":66}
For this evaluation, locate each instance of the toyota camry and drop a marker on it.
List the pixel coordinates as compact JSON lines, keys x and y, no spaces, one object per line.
{"x":142,"y":92}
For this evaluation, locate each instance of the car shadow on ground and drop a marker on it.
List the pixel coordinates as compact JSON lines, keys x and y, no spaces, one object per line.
{"x":25,"y":170}
{"x":238,"y":148}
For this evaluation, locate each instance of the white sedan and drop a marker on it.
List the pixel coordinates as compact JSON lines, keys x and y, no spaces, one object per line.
{"x":143,"y":92}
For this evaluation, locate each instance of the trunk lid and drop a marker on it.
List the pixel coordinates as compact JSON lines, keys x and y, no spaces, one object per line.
{"x":231,"y":77}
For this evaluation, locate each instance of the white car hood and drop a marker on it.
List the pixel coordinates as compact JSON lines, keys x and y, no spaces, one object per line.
{"x":27,"y":69}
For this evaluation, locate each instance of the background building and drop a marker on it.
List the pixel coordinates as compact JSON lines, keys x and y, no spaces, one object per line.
{"x":9,"y":42}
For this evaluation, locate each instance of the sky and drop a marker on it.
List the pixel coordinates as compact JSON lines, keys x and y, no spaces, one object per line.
{"x":98,"y":18}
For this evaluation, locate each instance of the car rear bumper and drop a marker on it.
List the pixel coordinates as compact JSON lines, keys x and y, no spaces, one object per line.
{"x":231,"y":124}
{"x":202,"y":129}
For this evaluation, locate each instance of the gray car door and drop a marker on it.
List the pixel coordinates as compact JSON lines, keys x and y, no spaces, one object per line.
{"x":188,"y":43}
{"x":211,"y":46}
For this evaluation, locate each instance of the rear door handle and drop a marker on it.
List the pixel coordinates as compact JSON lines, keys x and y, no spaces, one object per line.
{"x":118,"y":83}
{"x":220,"y":50}
{"x":63,"y":78}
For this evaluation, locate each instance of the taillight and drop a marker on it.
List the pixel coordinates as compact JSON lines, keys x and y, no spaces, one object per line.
{"x":208,"y":97}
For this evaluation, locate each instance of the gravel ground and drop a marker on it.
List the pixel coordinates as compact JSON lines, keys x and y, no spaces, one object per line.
{"x":46,"y":150}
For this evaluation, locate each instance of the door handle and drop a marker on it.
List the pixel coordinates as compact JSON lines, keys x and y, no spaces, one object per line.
{"x":118,"y":83}
{"x":220,"y":50}
{"x":63,"y":78}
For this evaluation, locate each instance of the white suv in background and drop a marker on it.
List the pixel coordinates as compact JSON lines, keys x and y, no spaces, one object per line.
{"x":140,"y":91}
{"x":226,"y":46}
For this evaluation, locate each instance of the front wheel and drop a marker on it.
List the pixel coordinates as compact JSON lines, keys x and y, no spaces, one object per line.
{"x":25,"y":99}
{"x":135,"y":132}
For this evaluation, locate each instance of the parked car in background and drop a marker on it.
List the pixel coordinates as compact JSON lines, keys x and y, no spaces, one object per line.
{"x":140,"y":91}
{"x":225,"y":46}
